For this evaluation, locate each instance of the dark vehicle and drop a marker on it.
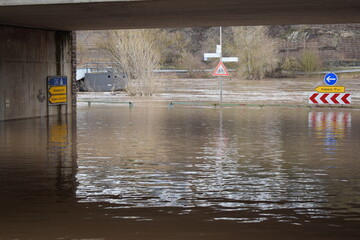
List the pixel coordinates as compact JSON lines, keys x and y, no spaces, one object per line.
{"x":101,"y":82}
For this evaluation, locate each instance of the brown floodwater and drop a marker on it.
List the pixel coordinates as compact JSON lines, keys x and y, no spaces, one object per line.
{"x":266,"y":91}
{"x":154,"y":172}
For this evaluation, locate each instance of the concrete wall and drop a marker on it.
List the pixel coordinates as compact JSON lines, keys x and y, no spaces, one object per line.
{"x":27,"y":57}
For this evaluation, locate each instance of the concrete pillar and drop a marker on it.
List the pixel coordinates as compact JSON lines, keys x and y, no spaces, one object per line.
{"x":27,"y":58}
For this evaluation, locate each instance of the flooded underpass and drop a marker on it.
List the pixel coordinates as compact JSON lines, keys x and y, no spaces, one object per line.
{"x":156,"y":172}
{"x":182,"y":173}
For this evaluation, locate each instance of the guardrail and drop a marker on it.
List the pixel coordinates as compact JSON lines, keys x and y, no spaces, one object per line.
{"x":173,"y":104}
{"x":131,"y":104}
{"x":353,"y":70}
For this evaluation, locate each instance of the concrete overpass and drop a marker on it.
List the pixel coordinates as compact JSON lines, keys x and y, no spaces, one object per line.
{"x":36,"y":38}
{"x":108,"y":14}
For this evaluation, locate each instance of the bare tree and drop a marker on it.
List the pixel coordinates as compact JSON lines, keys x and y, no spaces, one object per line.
{"x":257,"y":52}
{"x":135,"y":53}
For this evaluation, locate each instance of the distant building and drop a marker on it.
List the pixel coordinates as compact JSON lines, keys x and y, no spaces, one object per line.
{"x":101,"y":82}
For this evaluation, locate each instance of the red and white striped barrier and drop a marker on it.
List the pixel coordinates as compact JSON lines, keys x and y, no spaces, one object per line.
{"x":330,"y":98}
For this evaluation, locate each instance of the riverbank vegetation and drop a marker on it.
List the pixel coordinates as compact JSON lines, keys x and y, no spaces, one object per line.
{"x":136,"y":54}
{"x":271,"y":51}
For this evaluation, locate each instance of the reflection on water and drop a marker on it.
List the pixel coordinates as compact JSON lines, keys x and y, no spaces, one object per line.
{"x":37,"y":174}
{"x":229,"y":160}
{"x":182,"y":173}
{"x":330,"y":126}
{"x":241,"y":165}
{"x":36,"y":155}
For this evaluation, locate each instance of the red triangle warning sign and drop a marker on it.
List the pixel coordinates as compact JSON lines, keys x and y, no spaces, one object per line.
{"x":220,"y":70}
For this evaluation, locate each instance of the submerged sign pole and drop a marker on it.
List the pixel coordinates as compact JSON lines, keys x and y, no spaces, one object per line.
{"x":220,"y":70}
{"x":221,"y":79}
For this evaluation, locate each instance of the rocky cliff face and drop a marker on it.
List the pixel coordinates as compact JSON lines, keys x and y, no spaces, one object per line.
{"x":336,"y":44}
{"x":88,"y":50}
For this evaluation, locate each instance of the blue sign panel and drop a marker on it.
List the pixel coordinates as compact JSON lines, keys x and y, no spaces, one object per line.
{"x":57,"y":81}
{"x":330,"y":79}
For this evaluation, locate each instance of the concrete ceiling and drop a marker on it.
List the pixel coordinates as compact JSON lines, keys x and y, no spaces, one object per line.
{"x":178,"y":13}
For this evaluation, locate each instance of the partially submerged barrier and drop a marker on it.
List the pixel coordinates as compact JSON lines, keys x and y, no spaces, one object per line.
{"x":172,"y":104}
{"x":111,"y":102}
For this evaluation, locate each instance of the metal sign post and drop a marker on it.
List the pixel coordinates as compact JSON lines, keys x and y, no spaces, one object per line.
{"x":221,"y":79}
{"x":220,"y":69}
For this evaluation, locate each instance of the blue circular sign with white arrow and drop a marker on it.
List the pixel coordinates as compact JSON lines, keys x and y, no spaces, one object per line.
{"x":330,"y":79}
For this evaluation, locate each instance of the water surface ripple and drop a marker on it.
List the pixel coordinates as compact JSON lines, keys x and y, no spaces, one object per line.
{"x":151,"y":172}
{"x":287,"y":165}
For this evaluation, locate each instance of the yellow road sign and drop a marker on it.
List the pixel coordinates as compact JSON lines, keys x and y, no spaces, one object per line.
{"x":326,"y":89}
{"x":58,"y":90}
{"x":57,"y":99}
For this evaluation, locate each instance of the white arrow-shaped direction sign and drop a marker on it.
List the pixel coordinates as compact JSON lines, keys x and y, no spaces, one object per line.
{"x":230,"y":59}
{"x":328,"y":79}
{"x":211,"y":55}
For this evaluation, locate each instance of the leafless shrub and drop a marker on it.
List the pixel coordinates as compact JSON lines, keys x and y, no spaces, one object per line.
{"x":309,"y":60}
{"x":136,"y":54}
{"x":290,"y":64}
{"x":257,"y":52}
{"x":191,"y":63}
